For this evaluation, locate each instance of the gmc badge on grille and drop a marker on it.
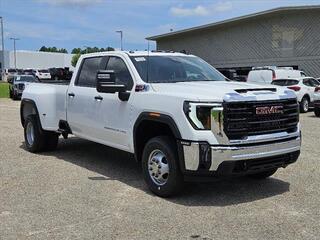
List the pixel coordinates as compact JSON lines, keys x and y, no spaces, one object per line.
{"x":269,"y":110}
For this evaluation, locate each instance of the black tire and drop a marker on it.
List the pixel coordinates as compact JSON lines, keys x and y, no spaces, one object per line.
{"x":263,"y":175}
{"x":14,"y":96}
{"x":304,"y":105}
{"x":42,"y":140}
{"x":174,"y":179}
{"x":10,"y":94}
{"x":317,"y":112}
{"x":38,"y":143}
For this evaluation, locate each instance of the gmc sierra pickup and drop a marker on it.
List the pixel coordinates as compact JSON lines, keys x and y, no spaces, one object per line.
{"x":178,"y":115}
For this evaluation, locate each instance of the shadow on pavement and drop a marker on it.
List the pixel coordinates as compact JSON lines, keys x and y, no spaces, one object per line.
{"x":112,"y":164}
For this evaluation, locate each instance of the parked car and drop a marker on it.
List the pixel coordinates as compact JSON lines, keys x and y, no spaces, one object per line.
{"x":317,"y":101}
{"x":10,"y":72}
{"x":60,"y":73}
{"x":174,"y":112}
{"x":17,"y":84}
{"x":43,"y":74}
{"x":265,"y":75}
{"x":304,"y":88}
{"x":29,"y":71}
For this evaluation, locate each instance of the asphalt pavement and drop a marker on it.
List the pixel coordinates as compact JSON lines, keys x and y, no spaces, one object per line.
{"x":84,"y":190}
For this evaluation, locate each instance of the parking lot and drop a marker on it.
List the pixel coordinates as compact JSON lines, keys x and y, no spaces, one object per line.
{"x":84,"y":190}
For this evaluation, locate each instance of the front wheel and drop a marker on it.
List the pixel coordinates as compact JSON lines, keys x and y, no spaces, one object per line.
{"x":160,"y":166}
{"x":304,"y":105}
{"x":263,"y":175}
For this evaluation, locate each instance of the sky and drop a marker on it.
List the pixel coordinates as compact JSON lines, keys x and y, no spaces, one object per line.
{"x":78,"y":23}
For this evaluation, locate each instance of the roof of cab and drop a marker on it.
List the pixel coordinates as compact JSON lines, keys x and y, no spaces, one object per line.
{"x":137,"y":53}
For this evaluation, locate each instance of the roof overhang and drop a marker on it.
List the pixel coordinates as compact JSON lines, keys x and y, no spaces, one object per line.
{"x":233,"y":20}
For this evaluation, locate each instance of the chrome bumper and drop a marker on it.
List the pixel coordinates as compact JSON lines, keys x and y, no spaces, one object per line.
{"x":224,"y":153}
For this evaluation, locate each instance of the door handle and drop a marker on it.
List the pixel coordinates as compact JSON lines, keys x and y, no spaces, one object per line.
{"x":98,"y":98}
{"x":71,"y":94}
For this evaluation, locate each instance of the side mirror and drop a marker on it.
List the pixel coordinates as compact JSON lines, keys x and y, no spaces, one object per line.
{"x":106,"y":82}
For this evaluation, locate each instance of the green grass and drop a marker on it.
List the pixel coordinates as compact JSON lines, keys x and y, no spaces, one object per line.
{"x":4,"y":90}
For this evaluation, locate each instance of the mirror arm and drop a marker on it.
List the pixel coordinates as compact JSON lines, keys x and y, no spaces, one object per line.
{"x":124,"y":96}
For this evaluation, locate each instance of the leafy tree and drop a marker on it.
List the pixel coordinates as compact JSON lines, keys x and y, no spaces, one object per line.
{"x":75,"y":59}
{"x":78,"y":51}
{"x":53,"y":49}
{"x":43,"y":49}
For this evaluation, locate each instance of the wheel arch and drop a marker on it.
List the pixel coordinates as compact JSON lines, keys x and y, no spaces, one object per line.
{"x":306,"y":96}
{"x":149,"y":125}
{"x":28,"y":107}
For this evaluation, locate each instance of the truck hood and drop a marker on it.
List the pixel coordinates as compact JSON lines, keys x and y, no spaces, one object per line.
{"x":223,"y":91}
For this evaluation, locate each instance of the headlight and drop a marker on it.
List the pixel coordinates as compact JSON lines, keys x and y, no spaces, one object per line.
{"x":200,"y":115}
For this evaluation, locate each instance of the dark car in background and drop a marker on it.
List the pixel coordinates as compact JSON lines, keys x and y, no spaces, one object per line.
{"x":17,"y":84}
{"x":60,"y":73}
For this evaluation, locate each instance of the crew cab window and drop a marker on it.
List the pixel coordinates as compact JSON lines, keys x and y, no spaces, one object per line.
{"x":88,"y":71}
{"x":121,"y":71}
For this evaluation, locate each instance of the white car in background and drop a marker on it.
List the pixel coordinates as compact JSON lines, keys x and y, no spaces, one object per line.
{"x":306,"y":89}
{"x":42,"y":74}
{"x":265,"y":75}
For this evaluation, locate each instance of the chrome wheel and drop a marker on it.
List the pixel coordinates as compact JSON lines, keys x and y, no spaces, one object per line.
{"x":30,"y":133}
{"x":306,"y":105}
{"x":158,"y":167}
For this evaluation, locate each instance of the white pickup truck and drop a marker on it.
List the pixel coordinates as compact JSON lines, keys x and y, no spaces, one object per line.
{"x":177,"y":114}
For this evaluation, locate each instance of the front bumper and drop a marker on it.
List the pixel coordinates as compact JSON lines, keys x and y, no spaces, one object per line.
{"x":200,"y":158}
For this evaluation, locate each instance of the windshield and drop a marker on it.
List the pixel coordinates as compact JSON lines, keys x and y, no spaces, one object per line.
{"x":170,"y":69}
{"x":285,"y":82}
{"x":25,"y":79}
{"x":44,"y":71}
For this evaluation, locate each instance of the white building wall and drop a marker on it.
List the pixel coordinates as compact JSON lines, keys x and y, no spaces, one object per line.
{"x":39,"y":60}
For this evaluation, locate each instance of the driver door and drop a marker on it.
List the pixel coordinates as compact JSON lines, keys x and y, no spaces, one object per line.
{"x":116,"y":113}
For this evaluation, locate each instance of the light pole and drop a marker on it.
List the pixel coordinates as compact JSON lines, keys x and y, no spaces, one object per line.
{"x":2,"y":48}
{"x":14,"y":51}
{"x":121,"y":36}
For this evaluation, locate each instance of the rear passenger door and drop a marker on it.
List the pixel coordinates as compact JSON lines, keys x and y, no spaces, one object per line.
{"x":84,"y":108}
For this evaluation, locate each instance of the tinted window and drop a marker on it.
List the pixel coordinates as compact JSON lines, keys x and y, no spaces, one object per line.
{"x":88,"y":72}
{"x":43,"y":71}
{"x":285,"y":82}
{"x":25,"y":79}
{"x":314,"y":83}
{"x":307,"y":82}
{"x":122,"y":73}
{"x":170,"y":69}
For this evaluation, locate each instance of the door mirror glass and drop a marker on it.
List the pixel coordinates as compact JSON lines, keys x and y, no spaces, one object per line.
{"x":106,"y":82}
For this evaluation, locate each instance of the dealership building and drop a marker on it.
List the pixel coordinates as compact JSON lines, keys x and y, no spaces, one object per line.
{"x":286,"y":36}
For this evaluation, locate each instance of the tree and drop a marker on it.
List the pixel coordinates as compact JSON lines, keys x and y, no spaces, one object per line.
{"x":53,"y":49}
{"x":75,"y":59}
{"x":43,"y":49}
{"x":76,"y":50}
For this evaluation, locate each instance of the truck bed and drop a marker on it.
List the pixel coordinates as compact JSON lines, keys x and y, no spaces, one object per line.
{"x":50,"y":99}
